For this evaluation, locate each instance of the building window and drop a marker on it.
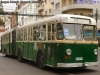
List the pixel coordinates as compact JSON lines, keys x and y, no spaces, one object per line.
{"x":58,"y":5}
{"x":75,"y":1}
{"x":46,"y":13}
{"x":75,"y":13}
{"x":70,"y":1}
{"x":49,"y":10}
{"x":81,"y":13}
{"x":45,"y":1}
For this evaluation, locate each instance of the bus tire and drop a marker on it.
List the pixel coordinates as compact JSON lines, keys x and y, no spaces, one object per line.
{"x":20,"y":56}
{"x":5,"y":53}
{"x":41,"y":60}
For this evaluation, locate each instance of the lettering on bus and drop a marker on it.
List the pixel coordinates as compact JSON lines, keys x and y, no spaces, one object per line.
{"x":35,"y":46}
{"x":66,"y":33}
{"x":40,"y":45}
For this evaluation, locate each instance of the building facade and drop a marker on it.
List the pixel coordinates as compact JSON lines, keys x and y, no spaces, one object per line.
{"x":14,"y":20}
{"x":26,"y":10}
{"x":2,"y":17}
{"x":8,"y":22}
{"x":77,"y":7}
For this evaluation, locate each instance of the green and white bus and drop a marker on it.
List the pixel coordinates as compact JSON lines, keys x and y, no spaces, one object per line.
{"x":60,"y":41}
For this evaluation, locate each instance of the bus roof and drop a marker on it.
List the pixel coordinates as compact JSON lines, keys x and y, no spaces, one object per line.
{"x":59,"y":19}
{"x":6,"y":32}
{"x":52,"y":19}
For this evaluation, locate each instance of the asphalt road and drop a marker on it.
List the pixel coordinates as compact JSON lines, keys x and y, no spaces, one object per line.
{"x":11,"y":66}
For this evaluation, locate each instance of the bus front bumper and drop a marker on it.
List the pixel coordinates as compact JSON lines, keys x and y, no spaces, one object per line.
{"x":86,"y":64}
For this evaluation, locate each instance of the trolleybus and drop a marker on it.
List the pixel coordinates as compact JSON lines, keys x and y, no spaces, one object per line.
{"x":60,"y":41}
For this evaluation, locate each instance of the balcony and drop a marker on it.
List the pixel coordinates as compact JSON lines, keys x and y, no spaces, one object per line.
{"x":40,"y":8}
{"x":51,"y":1}
{"x":55,"y":12}
{"x":77,"y":6}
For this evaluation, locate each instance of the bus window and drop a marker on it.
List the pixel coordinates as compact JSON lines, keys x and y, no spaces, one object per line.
{"x":42,"y":33}
{"x":89,"y":32}
{"x":24,"y":35}
{"x":35,"y":33}
{"x":18,"y":35}
{"x":72,"y":31}
{"x":29,"y":34}
{"x":53,"y":35}
{"x":21,"y":35}
{"x":59,"y":32}
{"x":49,"y":31}
{"x":7,"y":38}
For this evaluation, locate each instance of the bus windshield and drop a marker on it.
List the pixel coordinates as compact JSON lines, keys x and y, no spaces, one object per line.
{"x":89,"y":32}
{"x":72,"y":31}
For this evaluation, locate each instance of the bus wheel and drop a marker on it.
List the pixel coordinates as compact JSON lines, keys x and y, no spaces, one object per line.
{"x":5,"y":53}
{"x":41,"y":60}
{"x":20,"y":56}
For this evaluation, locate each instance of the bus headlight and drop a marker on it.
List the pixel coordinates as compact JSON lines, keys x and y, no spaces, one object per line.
{"x":68,"y":51}
{"x":95,"y":51}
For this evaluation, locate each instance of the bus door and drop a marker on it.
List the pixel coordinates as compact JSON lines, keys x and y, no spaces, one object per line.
{"x":7,"y":44}
{"x":29,"y":43}
{"x":10,"y":43}
{"x":51,"y":46}
{"x":25,"y":44}
{"x":14,"y":42}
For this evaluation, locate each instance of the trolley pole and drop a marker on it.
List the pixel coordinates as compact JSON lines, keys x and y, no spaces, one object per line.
{"x":96,"y":15}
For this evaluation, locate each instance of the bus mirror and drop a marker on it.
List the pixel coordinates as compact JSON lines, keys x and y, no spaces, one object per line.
{"x":98,"y":45}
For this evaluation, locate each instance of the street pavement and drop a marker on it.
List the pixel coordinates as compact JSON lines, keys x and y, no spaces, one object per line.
{"x":11,"y":66}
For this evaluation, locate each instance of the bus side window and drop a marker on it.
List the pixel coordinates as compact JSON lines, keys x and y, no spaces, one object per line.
{"x":18,"y":35}
{"x":31,"y":34}
{"x":42,"y":33}
{"x":28,"y":34}
{"x":59,"y":32}
{"x":21,"y":35}
{"x":7,"y":38}
{"x":53,"y":35}
{"x":49,"y":31}
{"x":35,"y":33}
{"x":24,"y":34}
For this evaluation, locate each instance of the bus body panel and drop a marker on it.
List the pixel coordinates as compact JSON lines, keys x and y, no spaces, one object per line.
{"x":10,"y":48}
{"x":19,"y":45}
{"x":14,"y":42}
{"x":30,"y":53}
{"x":53,"y":47}
{"x":2,"y":48}
{"x":89,"y":55}
{"x":81,"y":53}
{"x":51,"y":54}
{"x":25,"y":44}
